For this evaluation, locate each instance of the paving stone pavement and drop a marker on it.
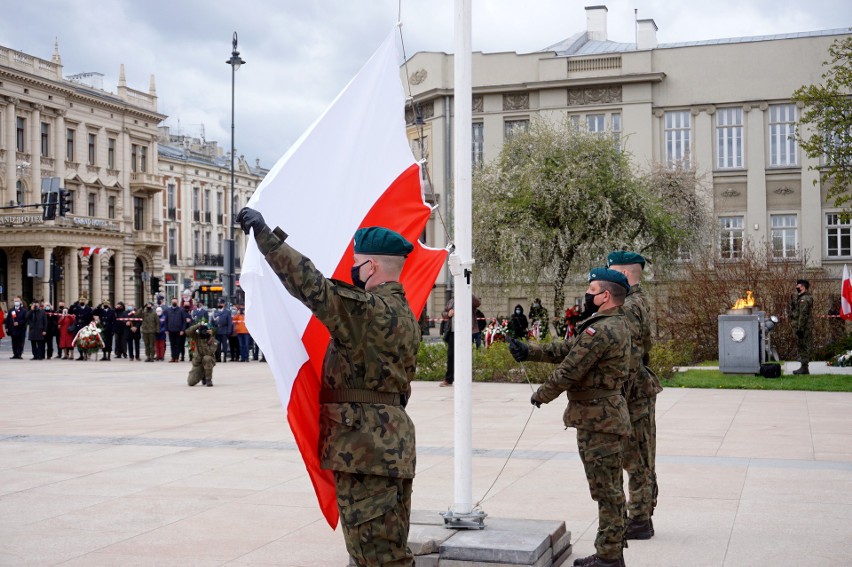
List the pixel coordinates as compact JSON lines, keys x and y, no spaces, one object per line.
{"x":120,"y":463}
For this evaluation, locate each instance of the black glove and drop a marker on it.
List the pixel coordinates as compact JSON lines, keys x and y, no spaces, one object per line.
{"x":251,"y":219}
{"x":520,"y":351}
{"x":800,"y":334}
{"x":646,"y":359}
{"x":534,"y":401}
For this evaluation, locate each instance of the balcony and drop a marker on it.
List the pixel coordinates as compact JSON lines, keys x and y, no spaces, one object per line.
{"x":147,"y":183}
{"x":172,"y":213}
{"x":209,"y":260}
{"x":207,"y":217}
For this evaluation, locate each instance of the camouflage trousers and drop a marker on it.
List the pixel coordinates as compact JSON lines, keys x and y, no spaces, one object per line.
{"x":640,"y":453}
{"x":603,"y":458}
{"x":803,"y":347}
{"x":200,"y":369}
{"x":150,"y":339}
{"x":375,"y":512}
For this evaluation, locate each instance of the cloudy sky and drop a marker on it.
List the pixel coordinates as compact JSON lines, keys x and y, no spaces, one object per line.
{"x":301,"y":53}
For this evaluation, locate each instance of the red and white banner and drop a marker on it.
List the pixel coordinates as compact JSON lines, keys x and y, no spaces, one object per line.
{"x":352,"y":168}
{"x":91,"y":250}
{"x":846,"y":295}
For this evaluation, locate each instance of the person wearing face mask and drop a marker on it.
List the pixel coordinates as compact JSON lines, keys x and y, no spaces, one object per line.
{"x":593,"y":367}
{"x":84,"y":316}
{"x":106,"y":314}
{"x":37,"y":322}
{"x":118,"y":332}
{"x":160,"y":342}
{"x":518,"y":323}
{"x":241,"y":331}
{"x":224,"y":328}
{"x":66,"y":333}
{"x":16,"y":327}
{"x":641,"y":394}
{"x":52,"y":330}
{"x":150,"y":327}
{"x":539,"y":319}
{"x":802,"y":319}
{"x":366,"y":437}
{"x":175,"y":327}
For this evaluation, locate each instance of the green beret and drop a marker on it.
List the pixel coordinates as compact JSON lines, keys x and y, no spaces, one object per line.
{"x":381,"y":241}
{"x":607,"y":275}
{"x":624,"y":258}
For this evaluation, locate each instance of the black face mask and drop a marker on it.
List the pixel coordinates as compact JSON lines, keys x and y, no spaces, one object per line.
{"x":355,"y":272}
{"x":590,"y":308}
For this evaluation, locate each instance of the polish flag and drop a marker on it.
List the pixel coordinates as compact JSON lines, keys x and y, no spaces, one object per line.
{"x":352,"y":168}
{"x":846,"y":295}
{"x":91,"y":250}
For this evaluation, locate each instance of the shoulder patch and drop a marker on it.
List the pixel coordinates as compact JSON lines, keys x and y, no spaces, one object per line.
{"x":591,"y":331}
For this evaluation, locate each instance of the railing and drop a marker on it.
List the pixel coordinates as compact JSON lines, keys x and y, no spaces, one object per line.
{"x":596,"y":64}
{"x":209,"y":260}
{"x":172,"y":212}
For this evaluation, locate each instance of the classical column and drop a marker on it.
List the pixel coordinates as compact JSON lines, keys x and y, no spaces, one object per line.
{"x":119,"y":276}
{"x":45,"y":281}
{"x":59,"y":146}
{"x":97,"y":285}
{"x":11,"y":145}
{"x":756,"y":177}
{"x":72,"y":294}
{"x":35,"y":154}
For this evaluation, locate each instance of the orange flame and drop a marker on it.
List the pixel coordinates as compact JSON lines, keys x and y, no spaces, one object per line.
{"x":743,"y":303}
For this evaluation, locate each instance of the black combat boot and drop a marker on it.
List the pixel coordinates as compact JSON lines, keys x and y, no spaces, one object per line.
{"x":595,"y":561}
{"x":209,"y":383}
{"x":639,"y":529}
{"x":803,"y":369}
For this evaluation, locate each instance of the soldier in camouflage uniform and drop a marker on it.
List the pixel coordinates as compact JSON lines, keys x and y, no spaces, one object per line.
{"x":801,"y":316}
{"x":366,"y":437}
{"x":205,"y":353}
{"x":593,"y":368}
{"x":641,"y":392}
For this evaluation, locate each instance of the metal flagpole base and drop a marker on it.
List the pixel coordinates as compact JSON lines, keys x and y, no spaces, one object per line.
{"x":473,"y":521}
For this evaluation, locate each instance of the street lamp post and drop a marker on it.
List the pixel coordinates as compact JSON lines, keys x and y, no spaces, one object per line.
{"x":230,"y":248}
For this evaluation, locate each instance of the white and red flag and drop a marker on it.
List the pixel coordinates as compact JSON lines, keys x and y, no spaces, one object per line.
{"x":352,"y":168}
{"x":846,"y":295}
{"x":92,"y":250}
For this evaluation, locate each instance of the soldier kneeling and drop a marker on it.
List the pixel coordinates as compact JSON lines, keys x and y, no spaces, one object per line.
{"x":205,"y":352}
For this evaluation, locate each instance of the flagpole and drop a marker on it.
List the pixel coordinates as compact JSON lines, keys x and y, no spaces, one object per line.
{"x":462,"y":515}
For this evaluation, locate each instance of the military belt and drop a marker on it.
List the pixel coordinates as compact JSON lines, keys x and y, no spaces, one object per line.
{"x":352,"y":395}
{"x":592,"y":395}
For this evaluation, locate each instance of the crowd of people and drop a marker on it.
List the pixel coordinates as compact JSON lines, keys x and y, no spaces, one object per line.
{"x":81,"y":331}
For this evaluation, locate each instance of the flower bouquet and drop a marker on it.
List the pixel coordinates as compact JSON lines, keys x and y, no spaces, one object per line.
{"x":496,"y":330}
{"x":88,"y":339}
{"x":843,"y":359}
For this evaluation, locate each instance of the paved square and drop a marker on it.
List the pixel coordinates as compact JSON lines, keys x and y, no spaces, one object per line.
{"x":120,"y":463}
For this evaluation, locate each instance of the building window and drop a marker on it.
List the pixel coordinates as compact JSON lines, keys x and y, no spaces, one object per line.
{"x":207,"y":239}
{"x":72,"y":199}
{"x":138,"y":213}
{"x":784,"y":235}
{"x":730,"y":237}
{"x":677,"y":129}
{"x":143,"y":159}
{"x":45,"y":139}
{"x":616,"y":127}
{"x":170,"y":196}
{"x":91,"y":204}
{"x":838,"y":234}
{"x":111,"y":153}
{"x":729,"y":138}
{"x":220,"y":205}
{"x":111,"y":207}
{"x":207,"y":200}
{"x":512,"y":127}
{"x":782,"y":135}
{"x":196,"y":242}
{"x":221,"y":247}
{"x":134,"y":151}
{"x":19,"y":139}
{"x":69,"y":144}
{"x":595,"y":123}
{"x":171,"y":244}
{"x":19,"y":191}
{"x":477,"y":140}
{"x":92,"y":145}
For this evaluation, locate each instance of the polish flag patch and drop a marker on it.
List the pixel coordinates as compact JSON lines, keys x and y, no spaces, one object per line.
{"x":591,"y":331}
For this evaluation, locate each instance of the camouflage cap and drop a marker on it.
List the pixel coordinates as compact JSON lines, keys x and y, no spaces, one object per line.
{"x":607,"y":275}
{"x":624,"y":258}
{"x":381,"y":241}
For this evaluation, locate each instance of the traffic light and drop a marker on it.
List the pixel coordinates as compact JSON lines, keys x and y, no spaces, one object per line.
{"x":50,"y":206}
{"x":155,"y":284}
{"x":64,"y":202}
{"x":57,"y":273}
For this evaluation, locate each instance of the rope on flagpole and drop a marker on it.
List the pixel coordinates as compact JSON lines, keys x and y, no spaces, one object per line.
{"x":423,"y":162}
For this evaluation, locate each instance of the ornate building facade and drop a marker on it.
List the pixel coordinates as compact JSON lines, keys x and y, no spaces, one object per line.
{"x":196,"y":209}
{"x":102,"y":147}
{"x":712,"y":104}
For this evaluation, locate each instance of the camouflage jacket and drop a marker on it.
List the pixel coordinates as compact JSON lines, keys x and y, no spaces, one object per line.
{"x":150,"y":321}
{"x":801,"y":312}
{"x":374,"y":342}
{"x":596,"y":358}
{"x":642,"y":384}
{"x":202,"y":348}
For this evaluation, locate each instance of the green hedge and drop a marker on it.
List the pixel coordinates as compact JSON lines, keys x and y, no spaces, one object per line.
{"x":493,"y":364}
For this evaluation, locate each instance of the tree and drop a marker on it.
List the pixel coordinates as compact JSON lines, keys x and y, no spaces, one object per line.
{"x":828,"y":108}
{"x":556,"y":201}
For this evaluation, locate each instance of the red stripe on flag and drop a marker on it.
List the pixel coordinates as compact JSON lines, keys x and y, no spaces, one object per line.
{"x":846,"y":293}
{"x":400,"y":208}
